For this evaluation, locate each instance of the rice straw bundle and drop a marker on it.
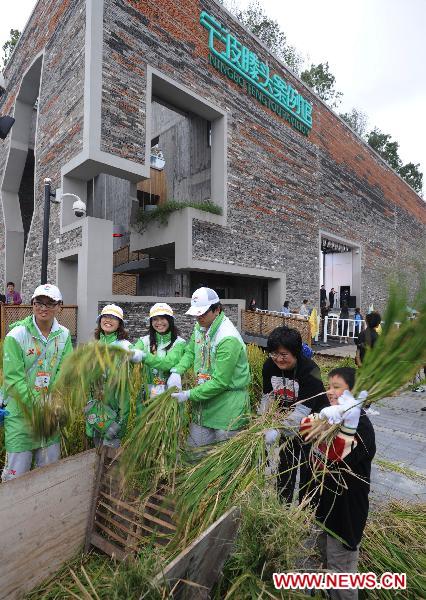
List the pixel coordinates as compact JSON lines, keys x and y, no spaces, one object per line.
{"x":45,"y":415}
{"x":209,"y":488}
{"x":394,"y":541}
{"x":84,"y":372}
{"x":152,"y":450}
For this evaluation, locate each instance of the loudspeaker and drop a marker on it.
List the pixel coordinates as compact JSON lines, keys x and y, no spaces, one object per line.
{"x":351,"y":300}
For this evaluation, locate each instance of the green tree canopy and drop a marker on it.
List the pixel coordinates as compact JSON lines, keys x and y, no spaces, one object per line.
{"x":255,"y":19}
{"x":388,"y":150}
{"x":357,"y":120}
{"x":10,"y":45}
{"x":322,"y":81}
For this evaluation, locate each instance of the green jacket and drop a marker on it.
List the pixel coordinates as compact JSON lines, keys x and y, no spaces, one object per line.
{"x":219,"y":359}
{"x":21,"y":347}
{"x":157,"y":366}
{"x":120,"y":405}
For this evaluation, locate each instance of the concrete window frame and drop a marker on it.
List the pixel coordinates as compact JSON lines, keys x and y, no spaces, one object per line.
{"x":183,"y":98}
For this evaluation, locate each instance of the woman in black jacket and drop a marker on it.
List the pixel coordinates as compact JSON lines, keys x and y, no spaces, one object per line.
{"x":289,"y":377}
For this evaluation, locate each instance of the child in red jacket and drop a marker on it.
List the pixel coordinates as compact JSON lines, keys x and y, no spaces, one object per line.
{"x":341,"y":495}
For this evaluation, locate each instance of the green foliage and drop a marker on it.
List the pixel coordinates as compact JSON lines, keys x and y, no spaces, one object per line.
{"x":327,"y":363}
{"x":322,"y":81}
{"x":273,"y":537}
{"x":381,"y":143}
{"x":152,"y":450}
{"x":412,"y":175}
{"x":163,"y":211}
{"x":9,"y":46}
{"x":388,"y":150}
{"x":394,"y":541}
{"x":357,"y":120}
{"x":256,"y":358}
{"x":255,"y":19}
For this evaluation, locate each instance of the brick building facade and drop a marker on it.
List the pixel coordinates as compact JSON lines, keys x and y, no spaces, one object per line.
{"x":100,"y":70}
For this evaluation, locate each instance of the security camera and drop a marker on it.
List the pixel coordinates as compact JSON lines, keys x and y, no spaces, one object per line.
{"x":79,"y":208}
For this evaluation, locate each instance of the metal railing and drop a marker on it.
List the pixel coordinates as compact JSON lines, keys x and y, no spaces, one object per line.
{"x":342,"y":328}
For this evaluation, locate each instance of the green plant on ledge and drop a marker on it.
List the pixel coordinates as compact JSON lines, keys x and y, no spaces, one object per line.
{"x":163,"y":211}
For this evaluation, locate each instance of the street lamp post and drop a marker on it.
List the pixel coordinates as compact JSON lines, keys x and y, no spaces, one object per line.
{"x":48,"y":194}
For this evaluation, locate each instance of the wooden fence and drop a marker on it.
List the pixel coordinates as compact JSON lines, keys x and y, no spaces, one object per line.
{"x":9,"y":313}
{"x":124,"y":284}
{"x":123,"y":256}
{"x":44,"y":516}
{"x":261,"y":324}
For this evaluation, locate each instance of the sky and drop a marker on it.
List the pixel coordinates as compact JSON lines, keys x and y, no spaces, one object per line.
{"x":376,"y":49}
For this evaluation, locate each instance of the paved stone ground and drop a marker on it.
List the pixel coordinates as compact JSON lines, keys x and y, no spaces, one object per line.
{"x":400,"y":438}
{"x":333,"y":348}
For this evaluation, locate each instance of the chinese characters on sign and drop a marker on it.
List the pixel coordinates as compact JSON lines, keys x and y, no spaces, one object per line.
{"x":245,"y":68}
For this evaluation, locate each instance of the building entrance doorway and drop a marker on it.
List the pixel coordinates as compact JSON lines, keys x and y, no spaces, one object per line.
{"x":340,"y":270}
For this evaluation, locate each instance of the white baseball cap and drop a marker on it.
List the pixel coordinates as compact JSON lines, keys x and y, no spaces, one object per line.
{"x":51,"y":291}
{"x":160,"y":309}
{"x":201,"y":301}
{"x":112,"y":310}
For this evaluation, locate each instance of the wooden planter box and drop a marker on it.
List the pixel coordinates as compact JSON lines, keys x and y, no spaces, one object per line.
{"x":48,"y":514}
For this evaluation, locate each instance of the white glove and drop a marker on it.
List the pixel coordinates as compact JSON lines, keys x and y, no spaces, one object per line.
{"x":333,"y":414}
{"x":181,"y":396}
{"x":174,"y":381}
{"x":137,"y":356}
{"x":292,"y":420}
{"x":271,"y":435}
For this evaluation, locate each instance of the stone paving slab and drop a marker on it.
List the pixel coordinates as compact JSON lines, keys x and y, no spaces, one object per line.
{"x":400,"y":438}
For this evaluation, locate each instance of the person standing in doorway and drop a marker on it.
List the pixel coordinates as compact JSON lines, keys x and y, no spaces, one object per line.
{"x":12,"y":296}
{"x":32,"y":356}
{"x":343,"y":323}
{"x":323,"y":295}
{"x":331,"y":295}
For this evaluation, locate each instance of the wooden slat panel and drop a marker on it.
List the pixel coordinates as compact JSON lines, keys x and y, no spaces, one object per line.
{"x":43,"y":517}
{"x":202,"y":561}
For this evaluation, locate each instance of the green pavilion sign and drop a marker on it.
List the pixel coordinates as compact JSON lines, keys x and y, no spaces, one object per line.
{"x":244,"y":67}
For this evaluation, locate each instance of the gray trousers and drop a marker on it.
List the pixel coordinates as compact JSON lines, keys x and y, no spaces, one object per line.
{"x":18,"y":463}
{"x":202,"y":436}
{"x":337,"y":559}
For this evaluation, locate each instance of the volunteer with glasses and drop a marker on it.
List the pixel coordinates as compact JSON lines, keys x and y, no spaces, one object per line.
{"x":289,"y":376}
{"x":161,"y":349}
{"x":32,"y":355}
{"x":217,"y":353}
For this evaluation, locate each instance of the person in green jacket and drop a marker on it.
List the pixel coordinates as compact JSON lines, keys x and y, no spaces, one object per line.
{"x":161,"y":349}
{"x":106,"y":421}
{"x":220,"y":402}
{"x":32,"y":355}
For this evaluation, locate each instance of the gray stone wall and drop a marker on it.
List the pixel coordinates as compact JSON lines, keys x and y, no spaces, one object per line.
{"x":283,"y":187}
{"x":136,"y":316}
{"x":58,"y":28}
